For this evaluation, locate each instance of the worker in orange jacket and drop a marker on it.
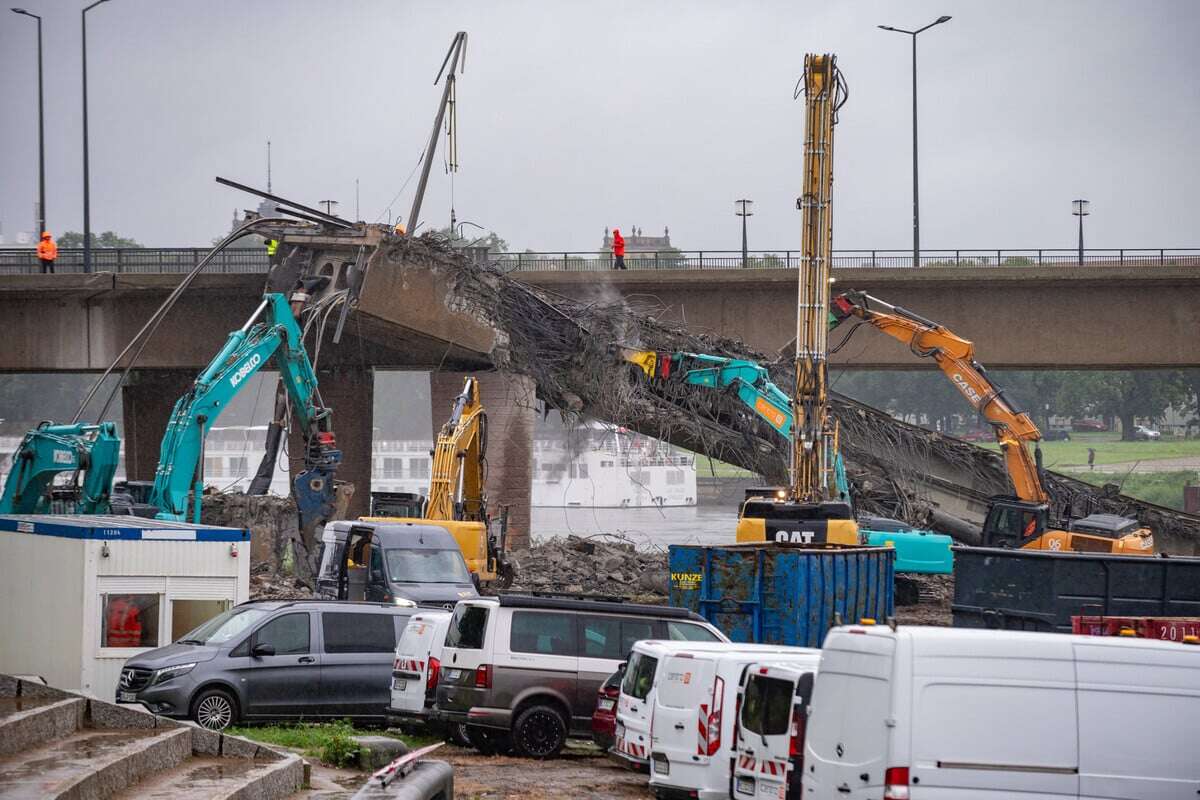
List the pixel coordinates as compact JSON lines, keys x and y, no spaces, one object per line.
{"x":47,"y":252}
{"x":618,"y":249}
{"x":124,"y":623}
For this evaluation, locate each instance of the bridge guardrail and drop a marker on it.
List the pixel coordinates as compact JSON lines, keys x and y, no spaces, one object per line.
{"x":23,"y":260}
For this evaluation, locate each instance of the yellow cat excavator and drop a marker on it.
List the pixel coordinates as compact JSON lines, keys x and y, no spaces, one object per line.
{"x":457,"y":500}
{"x":1022,"y":520}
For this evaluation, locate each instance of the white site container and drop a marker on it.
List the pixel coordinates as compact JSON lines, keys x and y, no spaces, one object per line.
{"x":931,"y":713}
{"x":81,"y":594}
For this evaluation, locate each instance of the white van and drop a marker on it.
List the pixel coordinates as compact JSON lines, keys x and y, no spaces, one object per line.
{"x":417,"y":666}
{"x":631,"y":743}
{"x":770,"y":731}
{"x":695,"y":711}
{"x":949,"y":712}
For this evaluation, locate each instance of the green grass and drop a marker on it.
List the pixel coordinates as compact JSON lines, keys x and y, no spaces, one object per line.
{"x":706,"y":467}
{"x":1111,"y":450}
{"x":330,"y":742}
{"x":1161,"y":488}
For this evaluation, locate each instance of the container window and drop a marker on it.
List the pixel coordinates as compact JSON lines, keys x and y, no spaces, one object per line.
{"x":358,"y":633}
{"x":549,"y":634}
{"x":600,"y":637}
{"x":686,"y":632}
{"x":467,"y":627}
{"x":767,"y":705}
{"x":129,"y":620}
{"x":189,"y":614}
{"x":639,"y":675}
{"x":289,"y":634}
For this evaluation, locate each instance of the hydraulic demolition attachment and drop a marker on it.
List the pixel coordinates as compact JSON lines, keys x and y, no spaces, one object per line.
{"x":1022,"y":520}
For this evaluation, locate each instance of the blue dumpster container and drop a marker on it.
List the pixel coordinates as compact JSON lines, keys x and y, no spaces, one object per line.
{"x":782,"y":594}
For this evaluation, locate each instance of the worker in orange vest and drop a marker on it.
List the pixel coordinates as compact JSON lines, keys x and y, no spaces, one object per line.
{"x":618,"y":249}
{"x":47,"y":252}
{"x":124,"y":624}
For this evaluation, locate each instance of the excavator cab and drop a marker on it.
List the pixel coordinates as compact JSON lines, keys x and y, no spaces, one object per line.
{"x":1014,"y":523}
{"x":1020,"y":525}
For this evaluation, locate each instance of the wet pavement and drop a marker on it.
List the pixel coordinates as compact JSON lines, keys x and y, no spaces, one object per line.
{"x":582,"y":772}
{"x":34,"y":774}
{"x":15,"y":705}
{"x":196,"y":778}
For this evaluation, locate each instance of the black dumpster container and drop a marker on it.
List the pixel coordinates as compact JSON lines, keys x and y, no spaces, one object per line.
{"x":1040,"y":590}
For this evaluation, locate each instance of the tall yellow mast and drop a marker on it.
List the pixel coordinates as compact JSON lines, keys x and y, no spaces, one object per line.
{"x":813,"y":434}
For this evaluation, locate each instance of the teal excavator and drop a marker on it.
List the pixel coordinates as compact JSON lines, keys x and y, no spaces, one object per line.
{"x":91,"y":452}
{"x":917,"y":551}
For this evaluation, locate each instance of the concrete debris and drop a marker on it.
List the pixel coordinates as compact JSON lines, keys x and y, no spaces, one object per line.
{"x":281,"y":565}
{"x":593,"y":566}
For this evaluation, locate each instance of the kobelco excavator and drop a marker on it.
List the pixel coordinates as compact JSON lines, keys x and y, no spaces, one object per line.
{"x":1022,"y":520}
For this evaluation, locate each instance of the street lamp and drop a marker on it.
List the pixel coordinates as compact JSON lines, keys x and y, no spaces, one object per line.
{"x":41,"y":215}
{"x":87,"y":194}
{"x":743,"y":211}
{"x":916,"y":201}
{"x":1081,"y":208}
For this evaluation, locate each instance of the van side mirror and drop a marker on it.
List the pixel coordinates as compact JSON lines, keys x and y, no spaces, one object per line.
{"x":260,"y":650}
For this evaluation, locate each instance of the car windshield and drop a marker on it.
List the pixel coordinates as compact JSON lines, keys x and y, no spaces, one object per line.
{"x":223,"y":627}
{"x":426,"y":566}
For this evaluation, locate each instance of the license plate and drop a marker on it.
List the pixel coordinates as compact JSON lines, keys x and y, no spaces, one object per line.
{"x":662,"y":766}
{"x":127,"y":697}
{"x":745,"y":786}
{"x":399,"y":684}
{"x":606,"y":705}
{"x":453,"y":674}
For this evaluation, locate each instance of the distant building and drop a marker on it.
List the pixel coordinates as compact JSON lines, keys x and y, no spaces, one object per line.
{"x":637,"y":242}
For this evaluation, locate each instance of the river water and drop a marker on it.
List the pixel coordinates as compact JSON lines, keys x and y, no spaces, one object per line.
{"x":644,"y":527}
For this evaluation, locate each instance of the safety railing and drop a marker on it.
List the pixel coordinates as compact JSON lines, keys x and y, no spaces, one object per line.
{"x":24,"y":260}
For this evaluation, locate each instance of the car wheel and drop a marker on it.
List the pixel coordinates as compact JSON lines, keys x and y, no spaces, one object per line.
{"x":214,"y":709}
{"x":459,"y":734}
{"x":539,"y":732}
{"x":488,"y":741}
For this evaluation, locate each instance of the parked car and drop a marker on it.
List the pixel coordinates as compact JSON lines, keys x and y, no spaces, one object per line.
{"x":979,"y":436}
{"x":1088,"y":426}
{"x":273,"y":660}
{"x":922,"y":712}
{"x":383,"y":561}
{"x":604,"y":718}
{"x":531,"y":666}
{"x":770,"y":732}
{"x":1145,"y":434}
{"x":694,"y":716}
{"x":635,"y":705}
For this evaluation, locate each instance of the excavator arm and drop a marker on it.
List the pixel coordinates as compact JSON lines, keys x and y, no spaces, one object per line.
{"x":955,"y":357}
{"x":456,"y":482}
{"x":246,"y":351}
{"x":48,"y":450}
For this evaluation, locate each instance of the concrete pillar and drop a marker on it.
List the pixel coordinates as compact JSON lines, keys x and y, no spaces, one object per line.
{"x":350,"y":392}
{"x":509,"y":401}
{"x":147,"y":400}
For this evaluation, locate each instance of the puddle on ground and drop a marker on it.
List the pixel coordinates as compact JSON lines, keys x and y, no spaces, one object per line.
{"x":70,"y":755}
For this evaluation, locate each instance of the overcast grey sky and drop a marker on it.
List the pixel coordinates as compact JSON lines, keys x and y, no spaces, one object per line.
{"x":576,"y":116}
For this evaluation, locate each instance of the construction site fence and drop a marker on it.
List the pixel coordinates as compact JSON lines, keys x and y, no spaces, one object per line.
{"x":23,"y":260}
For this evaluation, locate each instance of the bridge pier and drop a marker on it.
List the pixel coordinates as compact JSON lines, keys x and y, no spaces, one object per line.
{"x":509,"y":401}
{"x":147,"y":401}
{"x":350,"y":392}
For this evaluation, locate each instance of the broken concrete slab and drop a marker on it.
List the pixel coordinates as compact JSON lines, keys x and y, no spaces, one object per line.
{"x":375,"y":752}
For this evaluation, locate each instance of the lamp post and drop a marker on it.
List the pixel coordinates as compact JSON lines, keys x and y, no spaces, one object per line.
{"x":87,"y":194}
{"x":743,"y":211}
{"x":916,"y":196}
{"x":1081,"y":208}
{"x":41,"y":215}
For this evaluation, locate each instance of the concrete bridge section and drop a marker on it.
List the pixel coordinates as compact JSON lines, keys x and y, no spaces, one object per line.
{"x":1019,"y":317}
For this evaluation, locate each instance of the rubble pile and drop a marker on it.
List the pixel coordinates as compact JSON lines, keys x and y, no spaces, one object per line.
{"x":280,"y":565}
{"x":592,"y":566}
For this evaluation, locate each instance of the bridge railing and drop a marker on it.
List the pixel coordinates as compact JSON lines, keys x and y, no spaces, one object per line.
{"x":23,"y":260}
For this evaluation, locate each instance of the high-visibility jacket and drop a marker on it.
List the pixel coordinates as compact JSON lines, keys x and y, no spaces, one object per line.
{"x":124,"y":624}
{"x":272,"y":246}
{"x":618,"y":244}
{"x":47,"y":250}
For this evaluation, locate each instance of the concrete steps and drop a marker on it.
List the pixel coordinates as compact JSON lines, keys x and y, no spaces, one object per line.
{"x":54,"y":744}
